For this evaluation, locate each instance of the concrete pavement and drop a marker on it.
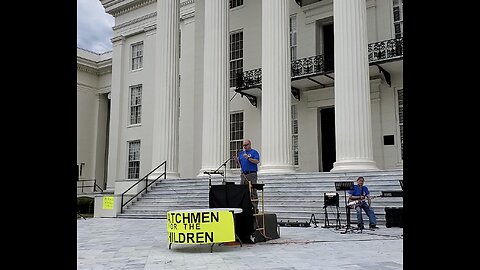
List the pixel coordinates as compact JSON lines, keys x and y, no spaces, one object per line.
{"x":117,"y":243}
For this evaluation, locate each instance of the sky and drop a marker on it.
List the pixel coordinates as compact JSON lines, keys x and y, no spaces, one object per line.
{"x":94,"y":26}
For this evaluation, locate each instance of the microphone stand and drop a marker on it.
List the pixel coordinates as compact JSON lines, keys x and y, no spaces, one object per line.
{"x":224,"y":164}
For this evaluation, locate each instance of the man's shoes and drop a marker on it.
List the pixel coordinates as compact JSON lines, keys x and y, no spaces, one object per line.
{"x":360,"y":226}
{"x":373,"y":226}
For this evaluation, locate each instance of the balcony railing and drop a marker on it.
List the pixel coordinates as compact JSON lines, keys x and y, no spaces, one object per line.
{"x":385,"y":50}
{"x":249,"y":78}
{"x":314,"y":65}
{"x":307,"y":66}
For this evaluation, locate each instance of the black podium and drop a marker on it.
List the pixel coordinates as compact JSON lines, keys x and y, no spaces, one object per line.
{"x":235,"y":196}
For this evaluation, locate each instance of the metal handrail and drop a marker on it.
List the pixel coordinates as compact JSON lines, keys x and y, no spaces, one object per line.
{"x":164,"y":174}
{"x":95,"y":185}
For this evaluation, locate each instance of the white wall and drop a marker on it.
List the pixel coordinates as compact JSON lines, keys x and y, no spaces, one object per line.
{"x":92,"y":106}
{"x":86,"y":127}
{"x":248,"y":18}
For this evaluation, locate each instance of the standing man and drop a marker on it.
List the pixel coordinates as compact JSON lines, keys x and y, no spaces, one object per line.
{"x":248,"y":160}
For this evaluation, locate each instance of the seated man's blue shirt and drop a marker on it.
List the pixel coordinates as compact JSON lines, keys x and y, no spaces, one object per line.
{"x":356,"y":191}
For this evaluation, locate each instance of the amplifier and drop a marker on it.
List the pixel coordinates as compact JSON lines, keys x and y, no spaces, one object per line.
{"x":272,"y":230}
{"x":394,"y":217}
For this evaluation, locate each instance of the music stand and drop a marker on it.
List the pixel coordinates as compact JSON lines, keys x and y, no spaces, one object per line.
{"x":348,"y":185}
{"x":331,"y":199}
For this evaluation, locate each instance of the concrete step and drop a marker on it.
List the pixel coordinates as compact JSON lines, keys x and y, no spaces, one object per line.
{"x":293,"y":197}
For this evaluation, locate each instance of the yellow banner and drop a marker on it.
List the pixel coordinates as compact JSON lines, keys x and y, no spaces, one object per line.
{"x":108,"y":202}
{"x":200,"y":227}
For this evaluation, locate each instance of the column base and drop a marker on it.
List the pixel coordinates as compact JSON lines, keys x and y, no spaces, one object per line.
{"x":354,"y":165}
{"x":276,"y":169}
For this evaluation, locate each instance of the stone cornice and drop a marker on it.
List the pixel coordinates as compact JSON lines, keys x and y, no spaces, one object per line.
{"x":119,"y":7}
{"x":187,"y":11}
{"x":86,"y":69}
{"x":89,"y":88}
{"x":186,"y":3}
{"x":82,"y":86}
{"x":136,"y":20}
{"x":150,"y":29}
{"x":324,"y":9}
{"x":96,"y":68}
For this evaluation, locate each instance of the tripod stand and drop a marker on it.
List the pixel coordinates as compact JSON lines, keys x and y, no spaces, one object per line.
{"x":345,"y":186}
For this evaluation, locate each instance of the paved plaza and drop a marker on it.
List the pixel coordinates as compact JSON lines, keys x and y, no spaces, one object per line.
{"x":117,"y":243}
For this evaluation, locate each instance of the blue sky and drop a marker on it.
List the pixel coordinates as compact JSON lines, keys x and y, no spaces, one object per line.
{"x":94,"y":26}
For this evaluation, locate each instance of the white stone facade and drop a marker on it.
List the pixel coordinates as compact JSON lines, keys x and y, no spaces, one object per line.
{"x":136,"y":22}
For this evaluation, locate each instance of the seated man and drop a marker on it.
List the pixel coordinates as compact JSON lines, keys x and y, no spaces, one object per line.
{"x":358,"y":195}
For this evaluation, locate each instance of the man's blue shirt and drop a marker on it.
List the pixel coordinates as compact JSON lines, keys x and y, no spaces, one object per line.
{"x":248,"y":166}
{"x":356,"y":191}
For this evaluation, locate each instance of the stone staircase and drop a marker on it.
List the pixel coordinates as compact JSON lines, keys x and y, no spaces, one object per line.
{"x":293,"y":197}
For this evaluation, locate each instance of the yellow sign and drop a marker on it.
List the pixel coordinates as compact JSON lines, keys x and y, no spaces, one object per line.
{"x":108,"y":202}
{"x":200,"y":227}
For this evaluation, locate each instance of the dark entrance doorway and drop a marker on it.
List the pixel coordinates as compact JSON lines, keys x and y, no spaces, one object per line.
{"x":327,"y":136}
{"x":328,"y":47}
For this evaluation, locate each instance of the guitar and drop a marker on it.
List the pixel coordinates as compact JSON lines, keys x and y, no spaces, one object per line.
{"x":355,"y":203}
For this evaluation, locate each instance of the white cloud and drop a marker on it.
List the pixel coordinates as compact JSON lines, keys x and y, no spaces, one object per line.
{"x":94,"y":26}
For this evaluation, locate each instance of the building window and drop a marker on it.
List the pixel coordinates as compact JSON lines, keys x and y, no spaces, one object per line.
{"x":293,"y":37}
{"x":137,"y":55}
{"x":236,"y":56}
{"x":398,"y":18}
{"x":236,"y":136}
{"x":294,"y":135}
{"x":133,"y":160}
{"x":235,"y":3}
{"x":135,"y":104}
{"x":400,"y":119}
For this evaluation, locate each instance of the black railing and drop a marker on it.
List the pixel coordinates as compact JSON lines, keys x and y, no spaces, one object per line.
{"x":249,"y":78}
{"x":307,"y":66}
{"x":82,"y":186}
{"x":385,"y":50}
{"x":164,"y":174}
{"x":314,"y":65}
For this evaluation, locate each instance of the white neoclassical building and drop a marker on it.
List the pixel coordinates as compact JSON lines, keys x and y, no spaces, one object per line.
{"x":316,"y":85}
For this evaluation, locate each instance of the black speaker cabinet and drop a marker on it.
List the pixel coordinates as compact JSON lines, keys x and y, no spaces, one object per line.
{"x":271,"y":228}
{"x":394,"y":217}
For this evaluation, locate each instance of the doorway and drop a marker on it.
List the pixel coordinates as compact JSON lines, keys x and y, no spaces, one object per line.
{"x":326,"y":125}
{"x":328,"y":46}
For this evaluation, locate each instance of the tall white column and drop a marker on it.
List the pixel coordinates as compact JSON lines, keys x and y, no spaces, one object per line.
{"x":165,"y":130}
{"x":353,"y":129}
{"x":115,"y":116}
{"x":215,"y":135}
{"x":276,"y":88}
